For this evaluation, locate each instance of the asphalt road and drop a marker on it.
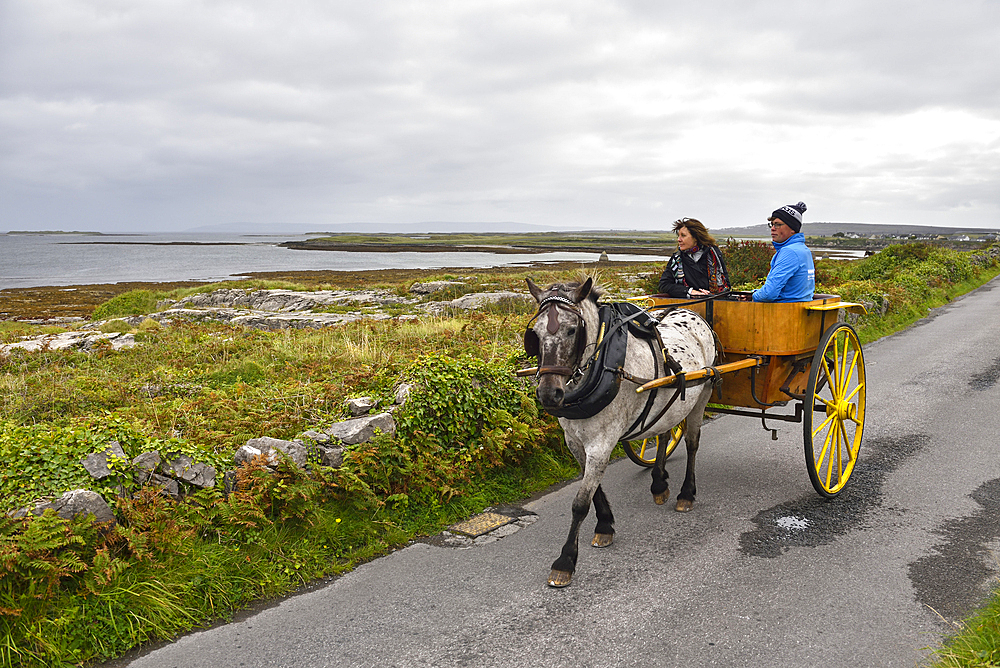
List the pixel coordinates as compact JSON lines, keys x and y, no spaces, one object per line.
{"x":763,"y":572}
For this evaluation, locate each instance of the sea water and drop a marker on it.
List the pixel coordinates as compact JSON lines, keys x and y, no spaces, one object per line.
{"x":31,"y":260}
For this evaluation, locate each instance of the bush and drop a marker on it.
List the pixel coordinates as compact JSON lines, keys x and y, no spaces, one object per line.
{"x":748,"y":261}
{"x":454,"y":399}
{"x":133,"y":302}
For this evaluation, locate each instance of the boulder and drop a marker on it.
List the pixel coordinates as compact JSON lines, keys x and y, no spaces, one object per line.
{"x":186,"y":469}
{"x":168,"y":486}
{"x":361,"y":406}
{"x":270,"y":447}
{"x":96,"y":463}
{"x":362,"y":429}
{"x":316,"y":436}
{"x":71,"y":504}
{"x":403,"y":393}
{"x":331,"y":456}
{"x":148,"y":461}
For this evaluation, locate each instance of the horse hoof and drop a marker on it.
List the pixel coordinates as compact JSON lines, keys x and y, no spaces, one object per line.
{"x":684,"y":505}
{"x":603,"y":539}
{"x":660,"y":499}
{"x":559,"y":579}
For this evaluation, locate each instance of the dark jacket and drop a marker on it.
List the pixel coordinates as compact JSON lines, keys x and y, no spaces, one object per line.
{"x":694,"y":275}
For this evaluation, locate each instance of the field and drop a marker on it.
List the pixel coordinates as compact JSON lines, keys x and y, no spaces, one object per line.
{"x":472,"y":437}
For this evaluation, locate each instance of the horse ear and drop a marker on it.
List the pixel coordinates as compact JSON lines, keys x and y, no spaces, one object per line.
{"x":535,"y":291}
{"x":584,"y":290}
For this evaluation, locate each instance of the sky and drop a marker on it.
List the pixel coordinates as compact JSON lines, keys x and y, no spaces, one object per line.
{"x":139,"y":116}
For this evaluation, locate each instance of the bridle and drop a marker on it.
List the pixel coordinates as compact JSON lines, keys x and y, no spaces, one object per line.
{"x":551,"y":306}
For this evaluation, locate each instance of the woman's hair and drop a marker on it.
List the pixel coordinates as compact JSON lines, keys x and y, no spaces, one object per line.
{"x":695,"y":228}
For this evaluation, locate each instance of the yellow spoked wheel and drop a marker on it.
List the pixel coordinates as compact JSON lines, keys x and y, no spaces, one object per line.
{"x":834,"y":410}
{"x":644,"y":454}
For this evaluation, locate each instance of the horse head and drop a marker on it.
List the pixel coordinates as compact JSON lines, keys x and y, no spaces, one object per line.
{"x":558,"y":335}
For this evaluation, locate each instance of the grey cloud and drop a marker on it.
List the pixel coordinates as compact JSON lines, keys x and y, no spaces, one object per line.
{"x":543,"y":112}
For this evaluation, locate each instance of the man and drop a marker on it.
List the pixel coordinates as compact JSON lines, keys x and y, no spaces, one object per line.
{"x":792,"y":277}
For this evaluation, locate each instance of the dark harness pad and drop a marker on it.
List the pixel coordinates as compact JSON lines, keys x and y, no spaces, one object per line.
{"x":599,"y":387}
{"x":643,"y":326}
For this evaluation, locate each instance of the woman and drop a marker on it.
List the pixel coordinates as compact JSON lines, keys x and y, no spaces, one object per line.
{"x":697,"y":268}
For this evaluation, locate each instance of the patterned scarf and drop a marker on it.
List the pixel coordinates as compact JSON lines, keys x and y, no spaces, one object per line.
{"x":717,"y":280}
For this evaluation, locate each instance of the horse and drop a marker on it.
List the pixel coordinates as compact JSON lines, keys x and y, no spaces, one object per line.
{"x":564,"y":335}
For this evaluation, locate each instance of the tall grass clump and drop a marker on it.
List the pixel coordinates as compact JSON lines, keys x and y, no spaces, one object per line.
{"x":133,"y":302}
{"x":977,"y":642}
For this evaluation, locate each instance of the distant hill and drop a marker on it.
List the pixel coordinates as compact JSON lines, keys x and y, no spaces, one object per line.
{"x":865,"y":229}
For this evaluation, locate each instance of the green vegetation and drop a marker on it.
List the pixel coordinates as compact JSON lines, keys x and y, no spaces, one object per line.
{"x":471,"y":436}
{"x":976,"y":644}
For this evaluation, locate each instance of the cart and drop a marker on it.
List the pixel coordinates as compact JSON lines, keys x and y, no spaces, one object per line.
{"x":774,"y":354}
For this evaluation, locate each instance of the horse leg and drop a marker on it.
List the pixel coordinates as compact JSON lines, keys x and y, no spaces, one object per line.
{"x":685,"y":500}
{"x":660,"y":488}
{"x":692,"y":436}
{"x":564,"y":566}
{"x":604,"y":534}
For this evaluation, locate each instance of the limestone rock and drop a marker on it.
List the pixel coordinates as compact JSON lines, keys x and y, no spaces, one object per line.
{"x":194,"y":473}
{"x":362,"y":429}
{"x":82,"y":340}
{"x":270,"y":447}
{"x":316,"y":436}
{"x":331,"y":456}
{"x":96,"y":463}
{"x":403,"y":393}
{"x":168,"y":486}
{"x":148,"y":461}
{"x":71,"y":504}
{"x":361,"y":405}
{"x":474,"y":301}
{"x":432,"y":286}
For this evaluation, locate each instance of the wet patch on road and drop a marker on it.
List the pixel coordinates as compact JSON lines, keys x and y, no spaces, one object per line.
{"x":960,"y":572}
{"x":988,"y":378}
{"x":812,"y":520}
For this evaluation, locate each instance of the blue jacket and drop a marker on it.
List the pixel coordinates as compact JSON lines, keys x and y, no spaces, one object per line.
{"x":792,"y":277}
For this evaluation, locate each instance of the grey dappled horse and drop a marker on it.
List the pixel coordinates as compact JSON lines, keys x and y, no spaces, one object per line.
{"x":567,"y":331}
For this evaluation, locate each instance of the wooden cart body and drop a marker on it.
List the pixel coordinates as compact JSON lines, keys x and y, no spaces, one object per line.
{"x":780,"y":338}
{"x":773,"y":354}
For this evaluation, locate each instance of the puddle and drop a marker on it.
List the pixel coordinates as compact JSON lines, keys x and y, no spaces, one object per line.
{"x":961,"y":570}
{"x":987,"y":378}
{"x":812,"y":520}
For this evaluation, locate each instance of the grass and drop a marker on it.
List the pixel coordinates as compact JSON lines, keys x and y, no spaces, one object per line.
{"x":473,"y":438}
{"x":976,"y":644}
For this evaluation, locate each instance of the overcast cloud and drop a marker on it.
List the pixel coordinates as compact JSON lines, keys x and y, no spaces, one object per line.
{"x":158,"y":115}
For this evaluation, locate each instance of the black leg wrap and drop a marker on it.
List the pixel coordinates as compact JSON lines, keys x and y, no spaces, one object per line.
{"x":565,"y":563}
{"x":659,"y":484}
{"x":605,"y":519}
